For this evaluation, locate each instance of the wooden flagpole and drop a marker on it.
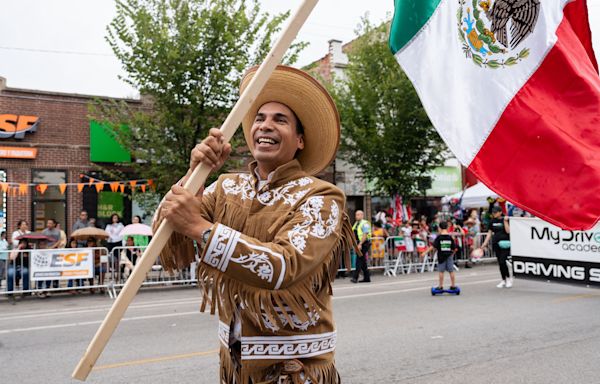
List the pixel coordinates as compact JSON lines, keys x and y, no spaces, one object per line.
{"x":194,"y":183}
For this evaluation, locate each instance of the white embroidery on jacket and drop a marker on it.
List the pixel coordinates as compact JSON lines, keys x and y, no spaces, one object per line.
{"x":245,"y":188}
{"x":264,"y":263}
{"x":313,"y":319}
{"x":269,"y":198}
{"x":210,"y":189}
{"x":287,"y":347}
{"x":221,"y":247}
{"x":257,"y":263}
{"x":313,"y":224}
{"x":224,"y":334}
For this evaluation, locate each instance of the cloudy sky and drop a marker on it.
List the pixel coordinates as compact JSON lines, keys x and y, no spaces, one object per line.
{"x":59,"y":45}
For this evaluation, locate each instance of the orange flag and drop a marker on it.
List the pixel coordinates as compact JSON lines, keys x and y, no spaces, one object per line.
{"x":42,"y":188}
{"x":62,"y":188}
{"x":22,"y":189}
{"x":132,"y":183}
{"x":4,"y":186}
{"x":122,"y":187}
{"x":114,"y":186}
{"x":99,"y":186}
{"x":80,"y":187}
{"x":150,"y":182}
{"x":91,"y":181}
{"x":144,"y":188}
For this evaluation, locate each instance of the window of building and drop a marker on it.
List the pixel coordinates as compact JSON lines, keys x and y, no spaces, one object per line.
{"x":51,"y":204}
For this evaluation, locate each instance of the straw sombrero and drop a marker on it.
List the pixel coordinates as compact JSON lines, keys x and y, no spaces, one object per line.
{"x":311,"y":103}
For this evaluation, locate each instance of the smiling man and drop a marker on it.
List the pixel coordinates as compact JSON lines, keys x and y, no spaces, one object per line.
{"x":270,"y":240}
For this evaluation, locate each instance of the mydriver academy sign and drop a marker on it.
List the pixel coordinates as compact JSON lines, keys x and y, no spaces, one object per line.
{"x":62,"y":264}
{"x":541,"y":250}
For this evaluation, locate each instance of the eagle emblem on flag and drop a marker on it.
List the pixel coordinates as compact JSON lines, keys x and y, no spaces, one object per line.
{"x":492,"y":31}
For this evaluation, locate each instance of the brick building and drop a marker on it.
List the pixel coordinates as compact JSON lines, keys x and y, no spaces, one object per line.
{"x":57,"y":150}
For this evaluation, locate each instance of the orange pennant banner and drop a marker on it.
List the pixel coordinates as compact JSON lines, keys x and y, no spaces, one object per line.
{"x":144,"y":188}
{"x":4,"y":186}
{"x":122,"y":188}
{"x":80,"y":187}
{"x":99,"y":186}
{"x":91,"y":181}
{"x":62,"y":188}
{"x":132,"y":183}
{"x":114,"y":186}
{"x":42,"y":188}
{"x":22,"y":189}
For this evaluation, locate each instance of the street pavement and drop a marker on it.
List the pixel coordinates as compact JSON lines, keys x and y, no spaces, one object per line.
{"x":389,"y":331}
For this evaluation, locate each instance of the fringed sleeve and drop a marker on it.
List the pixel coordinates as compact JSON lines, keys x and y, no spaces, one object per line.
{"x":180,"y":250}
{"x":287,"y":272}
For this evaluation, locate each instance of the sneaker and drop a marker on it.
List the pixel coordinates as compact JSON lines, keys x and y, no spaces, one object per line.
{"x":354,"y":280}
{"x":508,"y":283}
{"x":502,"y":284}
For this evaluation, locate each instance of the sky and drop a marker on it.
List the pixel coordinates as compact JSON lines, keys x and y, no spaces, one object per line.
{"x":59,"y":45}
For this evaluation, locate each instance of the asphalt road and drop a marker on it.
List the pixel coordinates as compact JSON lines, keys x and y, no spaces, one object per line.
{"x":389,"y":331}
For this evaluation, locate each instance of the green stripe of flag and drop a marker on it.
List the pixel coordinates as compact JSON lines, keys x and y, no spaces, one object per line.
{"x":409,"y":18}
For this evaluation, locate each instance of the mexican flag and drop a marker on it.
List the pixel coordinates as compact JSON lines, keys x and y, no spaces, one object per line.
{"x":512,"y":87}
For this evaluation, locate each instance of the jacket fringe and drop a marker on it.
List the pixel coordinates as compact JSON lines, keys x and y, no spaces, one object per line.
{"x":318,"y":372}
{"x":221,"y":292}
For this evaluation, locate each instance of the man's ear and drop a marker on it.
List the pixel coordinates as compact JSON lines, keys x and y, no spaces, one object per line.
{"x":300,"y":142}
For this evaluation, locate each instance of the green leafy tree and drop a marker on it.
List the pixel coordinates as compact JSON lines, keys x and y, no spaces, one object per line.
{"x":385,"y":130}
{"x":186,"y":57}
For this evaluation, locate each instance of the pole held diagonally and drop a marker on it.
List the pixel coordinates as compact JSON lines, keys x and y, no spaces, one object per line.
{"x":194,"y":183}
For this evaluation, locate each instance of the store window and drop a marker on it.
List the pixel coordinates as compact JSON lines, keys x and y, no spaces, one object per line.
{"x":51,"y":204}
{"x":3,"y":206}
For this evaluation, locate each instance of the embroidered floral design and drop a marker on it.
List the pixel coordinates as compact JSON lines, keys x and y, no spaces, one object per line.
{"x":257,"y":263}
{"x":268,"y":198}
{"x":313,"y":224}
{"x":244,"y":188}
{"x":313,"y":318}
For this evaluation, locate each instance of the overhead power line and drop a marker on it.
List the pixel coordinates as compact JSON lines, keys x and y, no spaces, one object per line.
{"x":53,"y":51}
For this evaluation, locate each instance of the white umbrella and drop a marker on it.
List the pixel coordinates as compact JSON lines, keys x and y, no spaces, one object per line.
{"x":136,"y":229}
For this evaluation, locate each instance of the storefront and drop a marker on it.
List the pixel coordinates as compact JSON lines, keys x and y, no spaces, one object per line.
{"x":51,"y":150}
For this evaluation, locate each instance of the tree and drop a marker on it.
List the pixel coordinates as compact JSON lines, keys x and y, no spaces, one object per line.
{"x":385,"y":130}
{"x":187,"y":56}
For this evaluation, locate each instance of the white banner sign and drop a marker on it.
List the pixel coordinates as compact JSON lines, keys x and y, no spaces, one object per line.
{"x":542,"y":250}
{"x":62,"y":264}
{"x":536,"y":238}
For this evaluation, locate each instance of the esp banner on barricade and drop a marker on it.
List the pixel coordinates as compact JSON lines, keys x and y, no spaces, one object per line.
{"x":62,"y":264}
{"x":544,"y":251}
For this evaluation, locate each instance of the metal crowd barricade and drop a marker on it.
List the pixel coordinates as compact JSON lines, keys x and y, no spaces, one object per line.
{"x":393,"y":260}
{"x":124,"y":259}
{"x":20,"y":279}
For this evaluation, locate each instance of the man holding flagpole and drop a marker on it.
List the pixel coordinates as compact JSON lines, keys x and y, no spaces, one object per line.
{"x":270,"y":240}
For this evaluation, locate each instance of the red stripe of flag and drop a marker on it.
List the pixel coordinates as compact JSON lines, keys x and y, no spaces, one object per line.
{"x":544,"y":153}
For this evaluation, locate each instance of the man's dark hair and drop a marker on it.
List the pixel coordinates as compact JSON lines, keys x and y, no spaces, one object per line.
{"x":443,"y":225}
{"x":299,"y":126}
{"x":53,"y":220}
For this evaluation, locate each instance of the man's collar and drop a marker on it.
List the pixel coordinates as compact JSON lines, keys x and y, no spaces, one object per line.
{"x":281,"y":175}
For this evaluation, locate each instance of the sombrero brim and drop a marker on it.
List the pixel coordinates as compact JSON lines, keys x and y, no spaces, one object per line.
{"x":311,"y":103}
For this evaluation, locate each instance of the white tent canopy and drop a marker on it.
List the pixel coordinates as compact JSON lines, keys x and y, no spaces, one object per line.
{"x":473,"y":197}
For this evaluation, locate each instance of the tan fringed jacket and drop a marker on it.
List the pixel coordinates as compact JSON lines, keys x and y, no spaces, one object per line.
{"x":268,"y":266}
